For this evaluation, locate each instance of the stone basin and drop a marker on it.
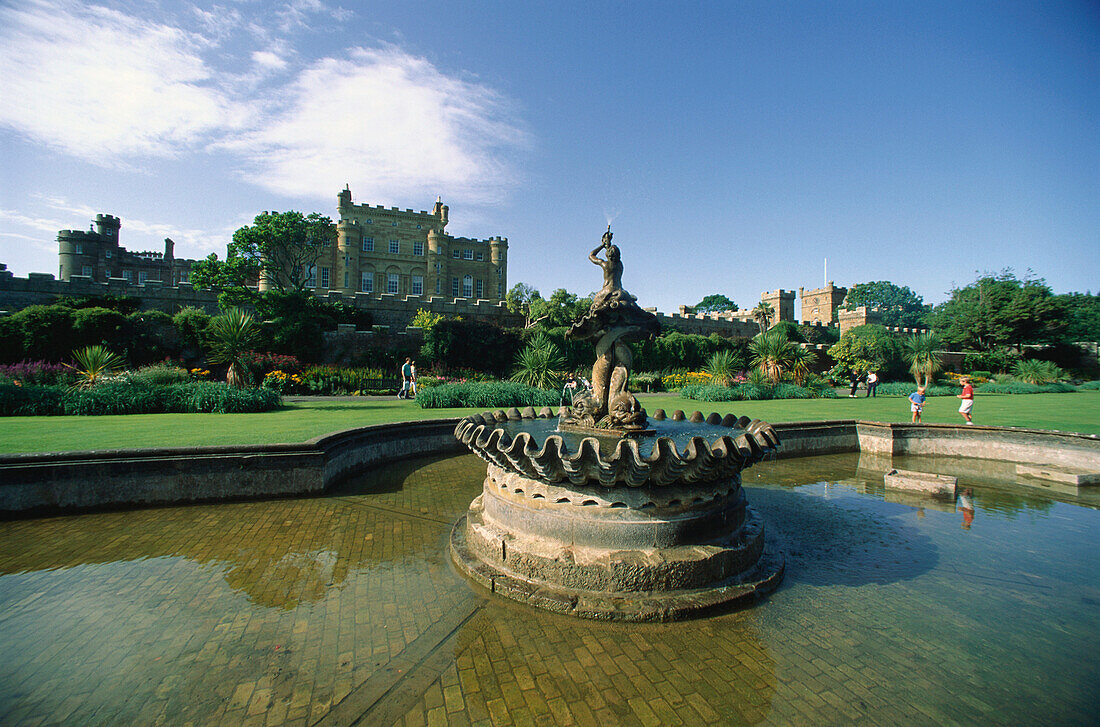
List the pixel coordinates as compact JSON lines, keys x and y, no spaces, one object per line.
{"x":652,"y":527}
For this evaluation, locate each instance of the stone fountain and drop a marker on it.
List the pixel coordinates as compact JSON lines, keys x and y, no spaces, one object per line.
{"x":604,"y":512}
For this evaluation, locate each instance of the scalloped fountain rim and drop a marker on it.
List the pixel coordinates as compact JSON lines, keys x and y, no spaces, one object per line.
{"x":702,"y":460}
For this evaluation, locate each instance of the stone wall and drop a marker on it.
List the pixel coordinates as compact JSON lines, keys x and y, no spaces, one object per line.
{"x":67,"y":481}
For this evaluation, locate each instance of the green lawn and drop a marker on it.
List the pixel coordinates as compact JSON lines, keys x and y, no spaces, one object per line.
{"x":297,"y":422}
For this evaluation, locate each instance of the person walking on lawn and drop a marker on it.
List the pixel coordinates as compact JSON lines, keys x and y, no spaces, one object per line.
{"x":967,"y":397}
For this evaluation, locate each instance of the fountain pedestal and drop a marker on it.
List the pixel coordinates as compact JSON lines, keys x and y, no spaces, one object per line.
{"x":662,"y":549}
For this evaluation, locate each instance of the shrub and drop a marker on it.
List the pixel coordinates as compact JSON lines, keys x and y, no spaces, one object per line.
{"x":18,"y":400}
{"x":749,"y":392}
{"x":41,"y":373}
{"x":161,"y":374}
{"x":905,"y":388}
{"x":679,"y":379}
{"x":495,"y":395}
{"x":261,"y":364}
{"x":1022,"y":387}
{"x":1034,"y":371}
{"x":645,"y":382}
{"x":1089,"y":386}
{"x":209,"y":396}
{"x":132,"y":396}
{"x":119,"y":396}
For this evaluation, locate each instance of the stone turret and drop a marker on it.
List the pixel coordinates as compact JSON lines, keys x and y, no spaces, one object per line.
{"x":348,"y":236}
{"x":498,"y":251}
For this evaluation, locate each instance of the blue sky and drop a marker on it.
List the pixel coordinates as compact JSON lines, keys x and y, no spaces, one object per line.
{"x":732,"y":145}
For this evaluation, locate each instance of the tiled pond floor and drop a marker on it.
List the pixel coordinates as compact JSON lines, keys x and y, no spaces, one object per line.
{"x":335,"y":609}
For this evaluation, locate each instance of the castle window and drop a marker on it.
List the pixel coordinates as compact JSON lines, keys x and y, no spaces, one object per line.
{"x":324,"y":277}
{"x":454,"y":287}
{"x":368,"y":244}
{"x":345,"y":278}
{"x":395,"y":247}
{"x":417,"y":287}
{"x":418,"y":227}
{"x":107,"y":253}
{"x":500,"y":290}
{"x":108,"y":275}
{"x":438,"y":285}
{"x":480,"y":288}
{"x":467,"y":287}
{"x":394,"y":224}
{"x":311,"y":276}
{"x":480,"y":255}
{"x":456,"y":253}
{"x":142,"y":277}
{"x":418,"y":248}
{"x":391,"y":283}
{"x":467,"y":254}
{"x":78,"y":248}
{"x":128,"y":276}
{"x":366,"y":283}
{"x":370,"y":221}
{"x":185,"y":276}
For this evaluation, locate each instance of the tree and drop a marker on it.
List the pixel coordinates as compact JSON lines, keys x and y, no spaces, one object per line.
{"x":230,"y":277}
{"x":763,"y":314}
{"x":561,"y":309}
{"x":714,"y":303}
{"x":284,"y":246}
{"x":866,"y":348}
{"x":1000,"y":310}
{"x":921,"y":352}
{"x":773,"y":353}
{"x":539,"y":364}
{"x":1083,"y":314}
{"x":900,"y":306}
{"x":93,"y":364}
{"x":723,"y":367}
{"x":520,"y":299}
{"x":232,"y":335}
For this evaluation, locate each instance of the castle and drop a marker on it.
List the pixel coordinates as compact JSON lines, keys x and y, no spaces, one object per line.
{"x":389,"y":261}
{"x":397,"y":252}
{"x":96,"y":255}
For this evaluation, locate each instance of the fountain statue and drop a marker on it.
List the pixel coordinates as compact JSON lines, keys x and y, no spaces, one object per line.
{"x":613,"y":319}
{"x":605,"y":512}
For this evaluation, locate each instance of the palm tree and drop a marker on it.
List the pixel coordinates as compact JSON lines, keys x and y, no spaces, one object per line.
{"x":763,"y":314}
{"x":233,"y":334}
{"x":773,"y":353}
{"x":922,"y":355}
{"x":539,"y":363}
{"x":94,"y":363}
{"x":801,"y":360}
{"x":722,"y":367}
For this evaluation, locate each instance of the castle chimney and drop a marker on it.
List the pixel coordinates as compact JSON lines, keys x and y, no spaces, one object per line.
{"x":169,"y":248}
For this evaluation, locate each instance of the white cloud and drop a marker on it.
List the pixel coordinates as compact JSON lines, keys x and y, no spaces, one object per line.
{"x":269,"y":60}
{"x":101,"y":85}
{"x":389,"y":123}
{"x":112,"y":88}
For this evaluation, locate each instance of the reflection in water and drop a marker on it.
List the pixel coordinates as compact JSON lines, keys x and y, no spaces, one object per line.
{"x":345,"y":607}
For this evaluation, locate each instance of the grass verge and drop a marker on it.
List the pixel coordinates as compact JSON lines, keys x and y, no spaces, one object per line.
{"x":299,"y":421}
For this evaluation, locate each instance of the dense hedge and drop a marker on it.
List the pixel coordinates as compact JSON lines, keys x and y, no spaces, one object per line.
{"x":753,"y":392}
{"x":1020,"y":387}
{"x":495,"y":395}
{"x":905,"y":388}
{"x":133,"y":396}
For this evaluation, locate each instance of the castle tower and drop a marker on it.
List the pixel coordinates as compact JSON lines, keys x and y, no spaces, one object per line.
{"x":782,"y":302}
{"x":77,"y":250}
{"x":435,"y":280}
{"x":348,"y":236}
{"x":107,"y":226}
{"x":440,"y":211}
{"x":820,"y":305}
{"x":498,"y":250}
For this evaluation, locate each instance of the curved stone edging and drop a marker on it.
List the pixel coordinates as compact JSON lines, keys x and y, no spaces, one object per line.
{"x":61,"y":481}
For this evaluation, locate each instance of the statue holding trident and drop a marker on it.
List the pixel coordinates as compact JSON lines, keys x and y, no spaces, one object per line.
{"x":613,"y":319}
